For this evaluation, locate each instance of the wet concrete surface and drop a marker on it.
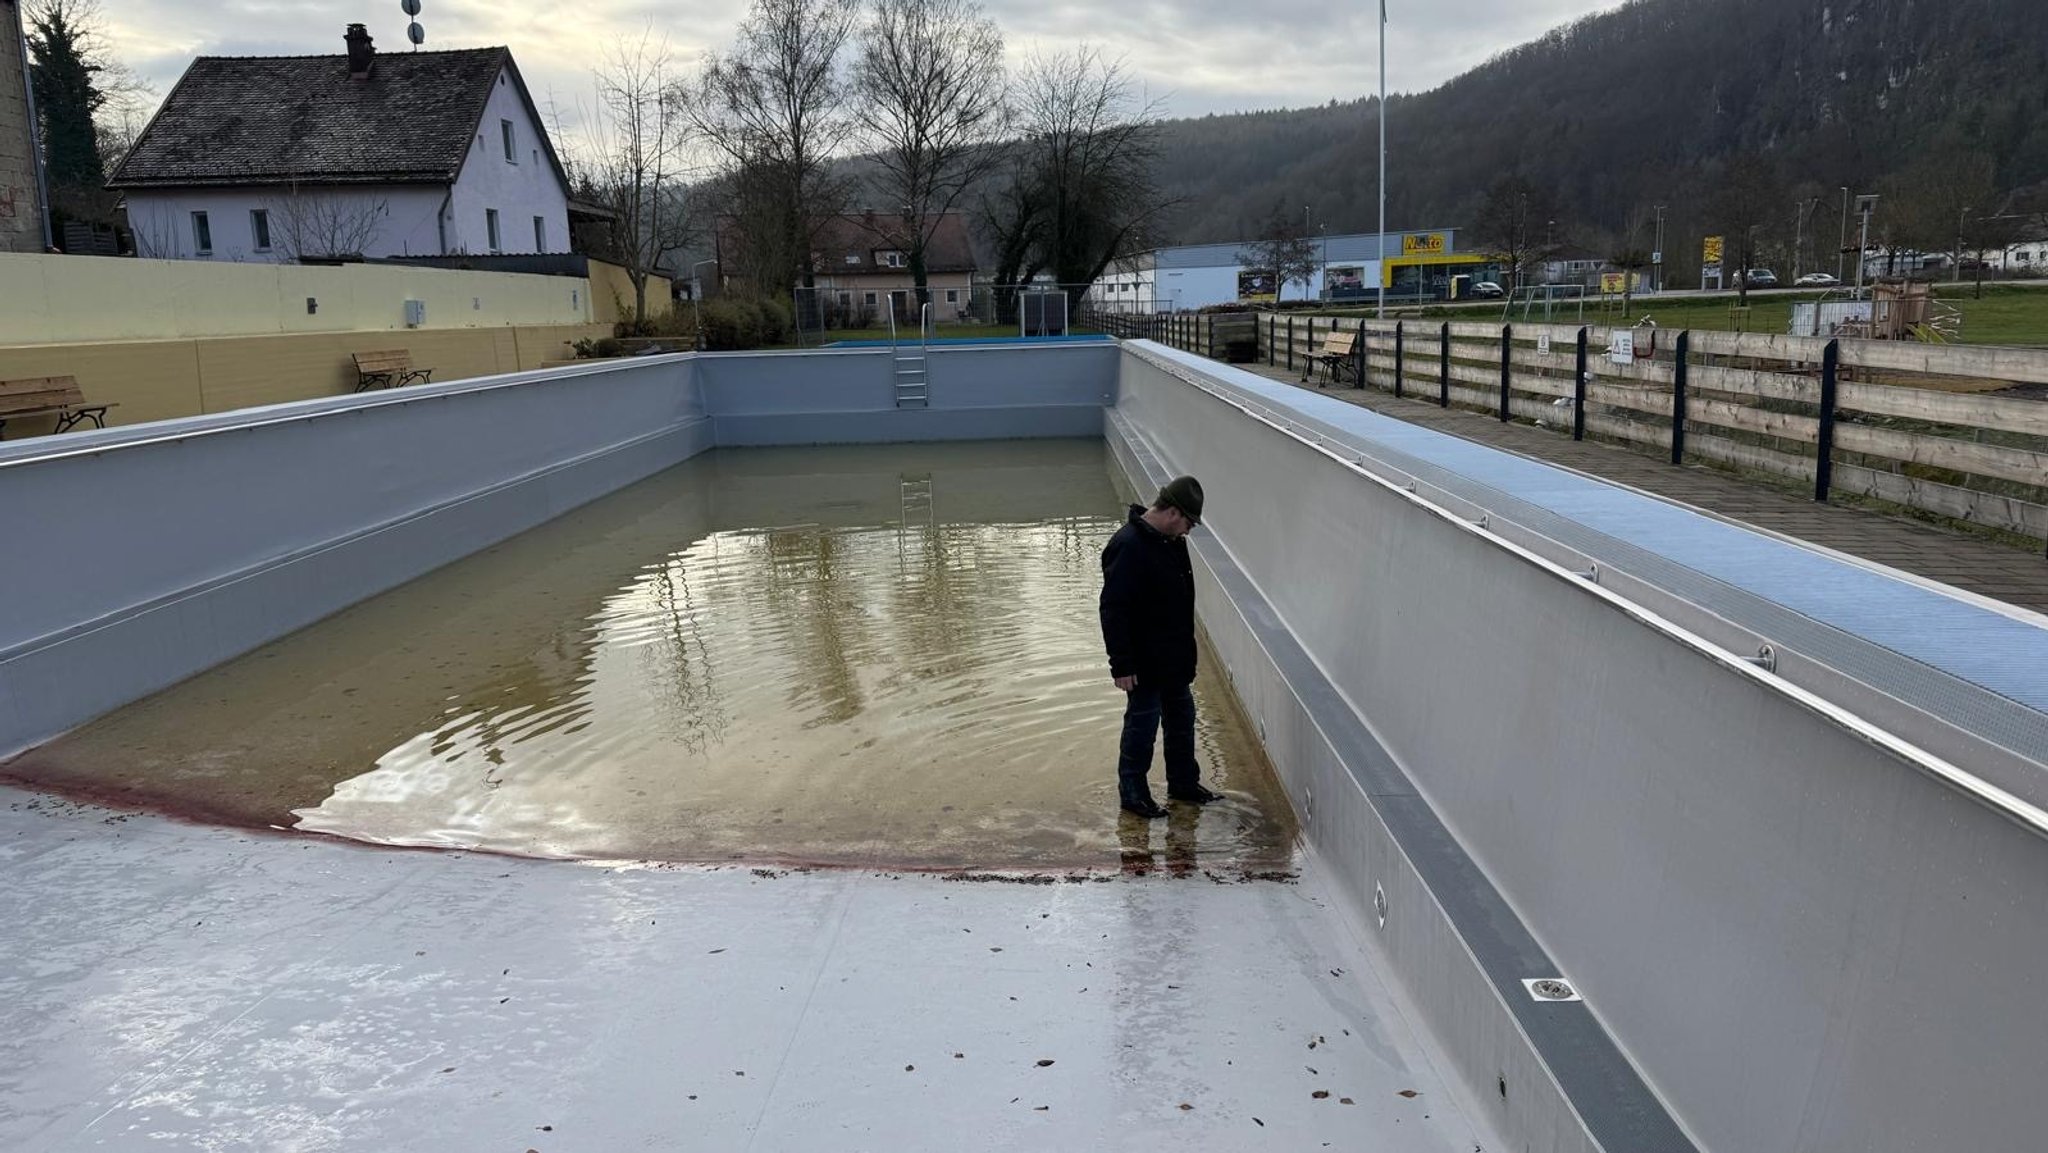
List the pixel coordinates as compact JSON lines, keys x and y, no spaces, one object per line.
{"x":883,"y":656}
{"x":167,"y":987}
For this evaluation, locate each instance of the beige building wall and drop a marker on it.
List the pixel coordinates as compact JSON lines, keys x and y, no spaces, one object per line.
{"x":160,"y":379}
{"x":61,"y":299}
{"x":611,"y":294}
{"x":21,"y":206}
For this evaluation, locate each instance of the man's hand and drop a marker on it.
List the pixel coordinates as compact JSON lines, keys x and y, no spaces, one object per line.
{"x":1127,"y":683}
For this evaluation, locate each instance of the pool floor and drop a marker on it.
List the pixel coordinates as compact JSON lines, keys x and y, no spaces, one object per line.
{"x":166,"y":987}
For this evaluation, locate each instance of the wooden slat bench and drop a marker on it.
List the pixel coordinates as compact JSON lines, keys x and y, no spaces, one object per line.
{"x":57,"y":396}
{"x":1337,"y":356}
{"x":388,"y":368}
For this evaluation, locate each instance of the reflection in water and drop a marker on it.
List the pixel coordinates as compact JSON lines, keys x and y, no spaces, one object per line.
{"x":898,"y":663}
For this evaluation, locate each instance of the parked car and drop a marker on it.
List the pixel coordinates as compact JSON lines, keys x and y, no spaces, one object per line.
{"x":1487,"y":290}
{"x":1817,"y":280}
{"x":1757,"y":278}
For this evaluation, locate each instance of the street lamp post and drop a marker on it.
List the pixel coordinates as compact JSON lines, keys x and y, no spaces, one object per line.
{"x":1657,"y":255}
{"x":1382,"y":243}
{"x":1842,"y":249}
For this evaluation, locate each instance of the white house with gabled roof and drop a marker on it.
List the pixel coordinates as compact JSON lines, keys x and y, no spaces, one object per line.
{"x":284,"y":158}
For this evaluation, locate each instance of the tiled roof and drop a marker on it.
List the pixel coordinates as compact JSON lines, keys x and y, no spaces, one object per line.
{"x":848,"y":244}
{"x":278,"y":119}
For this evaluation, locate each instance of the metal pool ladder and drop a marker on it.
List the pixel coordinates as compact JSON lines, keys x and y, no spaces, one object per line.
{"x":913,"y":380}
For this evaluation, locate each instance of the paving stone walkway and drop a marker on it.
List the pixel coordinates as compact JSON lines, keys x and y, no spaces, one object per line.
{"x":1967,"y":561}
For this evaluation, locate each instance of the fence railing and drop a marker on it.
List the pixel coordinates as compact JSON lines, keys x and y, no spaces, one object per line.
{"x":1906,"y":423}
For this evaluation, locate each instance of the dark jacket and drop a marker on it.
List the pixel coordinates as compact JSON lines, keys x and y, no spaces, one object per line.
{"x":1148,"y":604}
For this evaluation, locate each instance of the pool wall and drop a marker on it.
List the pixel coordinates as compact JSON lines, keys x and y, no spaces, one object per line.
{"x":1799,"y":936}
{"x":987,"y":392}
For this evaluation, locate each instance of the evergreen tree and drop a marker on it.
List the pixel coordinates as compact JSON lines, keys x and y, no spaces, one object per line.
{"x":65,"y":72}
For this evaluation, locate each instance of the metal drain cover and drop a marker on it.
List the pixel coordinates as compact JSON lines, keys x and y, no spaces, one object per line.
{"x":1550,"y":989}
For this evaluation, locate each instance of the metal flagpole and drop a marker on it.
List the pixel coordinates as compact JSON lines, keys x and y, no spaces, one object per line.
{"x":1383,"y":162}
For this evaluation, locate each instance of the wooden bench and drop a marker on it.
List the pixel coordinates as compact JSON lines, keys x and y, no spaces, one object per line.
{"x":388,"y":368}
{"x":57,"y":396}
{"x":1337,"y":356}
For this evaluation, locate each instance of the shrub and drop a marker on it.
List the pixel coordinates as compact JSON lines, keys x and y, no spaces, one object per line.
{"x":730,"y":324}
{"x":604,"y":346}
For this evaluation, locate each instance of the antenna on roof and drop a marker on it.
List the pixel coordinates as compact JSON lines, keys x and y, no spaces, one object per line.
{"x":413,"y":31}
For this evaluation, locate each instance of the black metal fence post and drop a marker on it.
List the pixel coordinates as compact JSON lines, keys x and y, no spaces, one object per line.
{"x":1679,"y":371}
{"x":1507,"y":361}
{"x":1272,"y":328}
{"x":1358,"y":346}
{"x":1400,"y":365}
{"x":1308,"y":367}
{"x":1824,"y":451}
{"x":1579,"y":389}
{"x":1443,"y":367}
{"x":1209,"y":343}
{"x":1290,"y":344}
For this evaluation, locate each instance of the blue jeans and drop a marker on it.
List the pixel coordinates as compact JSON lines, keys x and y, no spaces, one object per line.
{"x":1145,"y":710}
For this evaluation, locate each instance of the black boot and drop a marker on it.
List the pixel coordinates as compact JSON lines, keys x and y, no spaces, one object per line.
{"x":1144,"y":807}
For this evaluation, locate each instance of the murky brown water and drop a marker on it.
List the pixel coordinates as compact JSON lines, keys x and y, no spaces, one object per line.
{"x":880,"y":655}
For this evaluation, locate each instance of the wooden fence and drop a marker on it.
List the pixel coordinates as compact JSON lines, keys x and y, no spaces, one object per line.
{"x":1902,"y":422}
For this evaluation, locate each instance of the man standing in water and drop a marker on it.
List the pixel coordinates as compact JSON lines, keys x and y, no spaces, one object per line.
{"x":1148,"y":624}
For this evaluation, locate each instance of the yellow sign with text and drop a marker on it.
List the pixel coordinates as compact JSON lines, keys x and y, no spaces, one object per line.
{"x":1613,"y":283}
{"x":1710,"y":250}
{"x":1423,"y":244}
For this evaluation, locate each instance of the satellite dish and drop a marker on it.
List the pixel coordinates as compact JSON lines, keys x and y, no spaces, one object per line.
{"x":413,"y":31}
{"x":412,"y":7}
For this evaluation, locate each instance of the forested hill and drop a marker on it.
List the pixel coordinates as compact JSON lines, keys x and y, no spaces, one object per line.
{"x":1644,"y":104}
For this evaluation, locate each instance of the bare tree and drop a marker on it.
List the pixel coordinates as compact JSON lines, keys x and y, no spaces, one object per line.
{"x":1284,"y":251}
{"x":1090,"y":148}
{"x":1517,"y":226}
{"x":930,"y":75}
{"x":634,"y":163}
{"x":776,"y":109}
{"x":322,"y":224}
{"x":1011,"y":212}
{"x":1745,"y":199}
{"x":1632,"y":253}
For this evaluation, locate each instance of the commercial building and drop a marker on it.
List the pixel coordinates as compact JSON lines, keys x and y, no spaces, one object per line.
{"x":1350,"y":267}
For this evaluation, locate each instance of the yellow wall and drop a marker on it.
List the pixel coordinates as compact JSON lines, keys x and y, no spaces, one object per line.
{"x":52,"y":299}
{"x":611,"y":294}
{"x":159,"y":379}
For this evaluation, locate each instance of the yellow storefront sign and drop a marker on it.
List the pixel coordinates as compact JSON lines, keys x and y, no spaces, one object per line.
{"x":1423,"y":244}
{"x":1710,"y":250}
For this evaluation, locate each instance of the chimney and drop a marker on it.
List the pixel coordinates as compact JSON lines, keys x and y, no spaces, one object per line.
{"x":359,"y":52}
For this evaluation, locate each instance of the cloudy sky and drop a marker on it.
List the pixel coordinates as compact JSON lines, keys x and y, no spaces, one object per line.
{"x":1199,"y":56}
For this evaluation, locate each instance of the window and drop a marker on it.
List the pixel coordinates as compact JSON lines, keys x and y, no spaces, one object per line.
{"x":540,"y":234}
{"x":202,"y":234}
{"x":952,"y":296}
{"x":869,"y":299}
{"x":889,"y":259}
{"x":845,"y":299}
{"x":853,"y":258}
{"x":491,"y":228}
{"x":511,"y":146}
{"x":259,"y":228}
